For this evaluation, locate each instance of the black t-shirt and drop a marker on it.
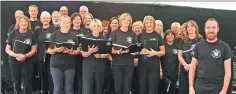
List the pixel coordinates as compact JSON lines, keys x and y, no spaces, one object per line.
{"x":211,"y":57}
{"x":35,"y":25}
{"x":154,"y":60}
{"x":63,"y":60}
{"x":187,"y":47}
{"x":123,"y":38}
{"x":87,"y":30}
{"x":169,"y":61}
{"x":91,"y":62}
{"x":80,"y":32}
{"x":178,"y":41}
{"x":11,"y":29}
{"x":28,"y":37}
{"x":42,"y":36}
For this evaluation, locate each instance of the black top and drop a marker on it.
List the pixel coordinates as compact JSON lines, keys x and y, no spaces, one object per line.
{"x":91,"y":62}
{"x":169,"y":61}
{"x":11,"y":29}
{"x":154,"y":36}
{"x":126,"y":39}
{"x":63,"y":60}
{"x":42,"y":36}
{"x":187,"y":48}
{"x":35,"y":25}
{"x":86,"y":30}
{"x":211,"y":57}
{"x":80,"y":32}
{"x":28,"y":37}
{"x":178,"y":41}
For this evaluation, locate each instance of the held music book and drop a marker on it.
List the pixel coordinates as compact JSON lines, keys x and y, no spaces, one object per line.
{"x":166,"y":83}
{"x":132,"y":48}
{"x":148,"y":44}
{"x":68,"y":45}
{"x":21,"y":47}
{"x":104,"y":46}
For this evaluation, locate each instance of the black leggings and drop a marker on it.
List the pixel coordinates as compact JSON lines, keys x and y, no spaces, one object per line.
{"x":183,"y":81}
{"x":149,"y":77}
{"x":22,"y":73}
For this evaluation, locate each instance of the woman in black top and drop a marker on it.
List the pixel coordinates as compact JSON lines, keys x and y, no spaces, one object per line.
{"x":21,"y":46}
{"x":149,"y":61}
{"x":88,"y":17}
{"x":169,"y":61}
{"x":62,"y":61}
{"x":114,"y":24}
{"x":122,"y":64}
{"x":184,"y":54}
{"x":43,"y":34}
{"x":93,"y":64}
{"x":76,"y":20}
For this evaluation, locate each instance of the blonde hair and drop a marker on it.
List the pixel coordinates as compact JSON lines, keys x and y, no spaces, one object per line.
{"x":138,"y":23}
{"x":65,"y":17}
{"x":123,"y":16}
{"x":159,"y":22}
{"x":149,"y":18}
{"x":182,"y":31}
{"x":17,"y":26}
{"x":34,"y":6}
{"x":45,"y":13}
{"x":95,"y":22}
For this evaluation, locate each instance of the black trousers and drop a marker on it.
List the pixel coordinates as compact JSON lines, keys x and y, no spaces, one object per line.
{"x":78,"y":74}
{"x":135,"y":82}
{"x":207,"y":88}
{"x":172,"y":88}
{"x":22,"y":73}
{"x":149,"y":79}
{"x":183,"y":81}
{"x":48,"y":77}
{"x":108,"y":86}
{"x":37,"y":67}
{"x":92,"y":79}
{"x":122,"y":75}
{"x":43,"y":76}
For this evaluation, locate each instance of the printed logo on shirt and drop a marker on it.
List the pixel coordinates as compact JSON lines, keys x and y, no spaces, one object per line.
{"x":153,"y":39}
{"x":192,"y":53}
{"x":48,"y":35}
{"x":175,"y":51}
{"x":70,"y":40}
{"x":36,"y":27}
{"x":109,"y":39}
{"x":193,"y":46}
{"x":27,"y":41}
{"x":129,"y":39}
{"x":108,"y":43}
{"x":216,"y":53}
{"x":81,"y":35}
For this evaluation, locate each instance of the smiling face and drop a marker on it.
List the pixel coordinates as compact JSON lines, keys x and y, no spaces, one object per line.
{"x":149,"y":25}
{"x":33,"y":12}
{"x":65,"y":23}
{"x":76,"y":21}
{"x":114,"y":24}
{"x":23,"y":23}
{"x":211,"y":30}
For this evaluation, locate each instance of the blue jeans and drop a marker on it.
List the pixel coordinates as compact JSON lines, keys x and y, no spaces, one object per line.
{"x":58,"y":75}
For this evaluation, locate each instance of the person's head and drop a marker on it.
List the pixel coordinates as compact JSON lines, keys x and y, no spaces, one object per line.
{"x":192,"y":28}
{"x":137,"y":27}
{"x":105,"y":25}
{"x":149,"y":23}
{"x":183,"y":30}
{"x":159,"y":26}
{"x":87,"y":18}
{"x":33,"y":11}
{"x":18,"y":13}
{"x":63,"y":10}
{"x":23,"y":23}
{"x":83,"y":10}
{"x":56,"y":16}
{"x":114,"y":23}
{"x":125,"y":20}
{"x":175,"y":26}
{"x":65,"y":22}
{"x":76,"y":19}
{"x":96,"y":26}
{"x":169,"y":35}
{"x":211,"y":28}
{"x":45,"y":17}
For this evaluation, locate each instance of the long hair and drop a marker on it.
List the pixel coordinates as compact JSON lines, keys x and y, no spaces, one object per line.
{"x":187,"y":39}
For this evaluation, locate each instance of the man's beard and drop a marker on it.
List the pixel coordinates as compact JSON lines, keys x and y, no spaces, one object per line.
{"x":56,"y":23}
{"x":211,"y":36}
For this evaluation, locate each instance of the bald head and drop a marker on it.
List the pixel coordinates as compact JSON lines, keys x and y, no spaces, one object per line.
{"x":83,"y":10}
{"x":63,"y":10}
{"x":18,"y":13}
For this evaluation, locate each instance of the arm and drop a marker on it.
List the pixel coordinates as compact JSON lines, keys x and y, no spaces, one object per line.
{"x":76,"y":52}
{"x":9,"y":51}
{"x":52,"y":50}
{"x":181,"y":59}
{"x":32,"y":51}
{"x":192,"y":72}
{"x":227,"y":77}
{"x":162,"y":51}
{"x":86,"y":54}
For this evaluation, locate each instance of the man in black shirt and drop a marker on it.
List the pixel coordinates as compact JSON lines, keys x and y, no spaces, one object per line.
{"x":33,"y":12}
{"x":56,"y":19}
{"x":18,"y":13}
{"x":210,"y":70}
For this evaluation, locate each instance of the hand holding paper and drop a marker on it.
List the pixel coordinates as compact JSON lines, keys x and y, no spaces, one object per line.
{"x":92,"y":49}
